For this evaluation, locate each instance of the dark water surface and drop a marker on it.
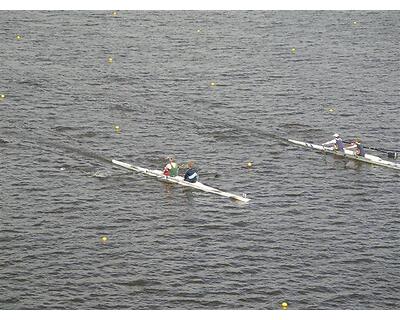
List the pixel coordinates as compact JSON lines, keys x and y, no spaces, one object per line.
{"x":320,"y":233}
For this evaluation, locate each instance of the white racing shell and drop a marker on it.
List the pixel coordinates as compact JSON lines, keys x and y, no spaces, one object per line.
{"x":179,"y":180}
{"x":349,"y":154}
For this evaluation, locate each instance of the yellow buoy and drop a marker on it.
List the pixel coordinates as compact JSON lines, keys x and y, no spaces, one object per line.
{"x":293,"y":50}
{"x":249,"y":164}
{"x":331,"y":110}
{"x":110,"y":60}
{"x":354,"y":22}
{"x":114,"y":13}
{"x":117,"y":129}
{"x":284,"y":305}
{"x":104,"y":238}
{"x":198,"y":30}
{"x":2,"y":97}
{"x":18,"y":37}
{"x":213,"y":84}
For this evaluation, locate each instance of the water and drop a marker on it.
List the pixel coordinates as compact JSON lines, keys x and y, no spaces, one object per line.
{"x":319,"y":232}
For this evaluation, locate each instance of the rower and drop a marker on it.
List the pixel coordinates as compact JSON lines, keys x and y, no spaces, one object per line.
{"x":171,"y":169}
{"x":359,"y":148}
{"x":337,"y":142}
{"x":191,"y":174}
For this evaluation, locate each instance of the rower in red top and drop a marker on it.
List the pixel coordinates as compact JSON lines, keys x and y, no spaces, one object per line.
{"x":171,"y":169}
{"x":359,"y":148}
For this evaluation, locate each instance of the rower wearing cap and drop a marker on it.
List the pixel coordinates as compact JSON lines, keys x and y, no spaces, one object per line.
{"x":359,"y":148}
{"x":191,"y":174}
{"x":171,"y":169}
{"x":337,"y":142}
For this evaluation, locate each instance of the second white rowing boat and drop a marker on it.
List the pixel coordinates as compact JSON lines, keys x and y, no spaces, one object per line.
{"x":349,"y":154}
{"x":179,"y":180}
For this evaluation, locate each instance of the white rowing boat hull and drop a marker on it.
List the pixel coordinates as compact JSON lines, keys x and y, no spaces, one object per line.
{"x":349,"y":154}
{"x":179,"y":180}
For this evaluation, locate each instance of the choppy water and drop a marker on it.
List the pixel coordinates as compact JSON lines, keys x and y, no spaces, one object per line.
{"x":320,"y":233}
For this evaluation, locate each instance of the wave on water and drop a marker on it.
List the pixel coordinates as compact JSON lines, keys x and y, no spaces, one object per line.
{"x":101,"y":174}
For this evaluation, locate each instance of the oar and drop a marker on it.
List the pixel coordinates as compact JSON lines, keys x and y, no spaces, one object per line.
{"x":206,"y":174}
{"x":390,"y":153}
{"x":393,"y":154}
